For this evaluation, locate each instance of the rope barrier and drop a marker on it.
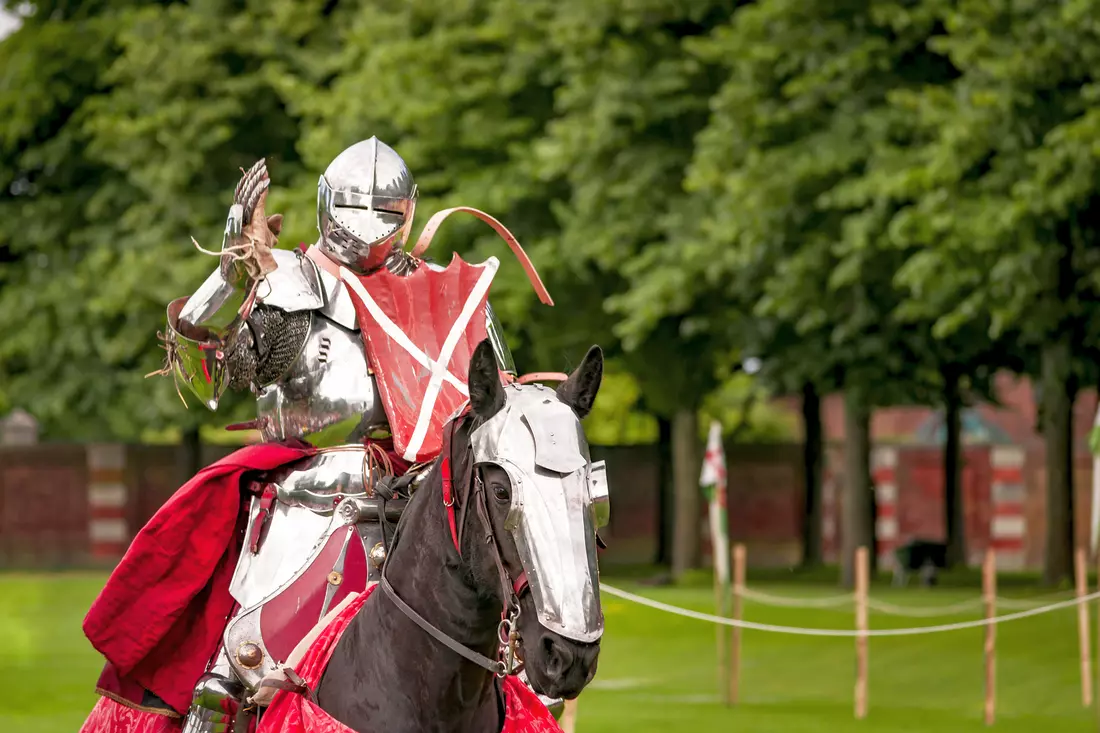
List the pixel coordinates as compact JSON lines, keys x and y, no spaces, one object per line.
{"x":844,"y":633}
{"x":1024,"y":603}
{"x":768,"y":599}
{"x":891,"y":609}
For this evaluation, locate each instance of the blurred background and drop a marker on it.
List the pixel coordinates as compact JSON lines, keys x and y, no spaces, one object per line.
{"x":859,"y":234}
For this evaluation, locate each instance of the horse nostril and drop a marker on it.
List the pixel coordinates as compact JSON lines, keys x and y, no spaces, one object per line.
{"x":558,"y":655}
{"x":591,"y":671}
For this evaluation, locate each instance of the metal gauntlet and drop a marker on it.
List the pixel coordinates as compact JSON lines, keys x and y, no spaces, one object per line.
{"x":205,"y":328}
{"x":217,"y":707}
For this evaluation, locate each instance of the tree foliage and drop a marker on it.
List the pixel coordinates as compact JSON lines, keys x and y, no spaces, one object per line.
{"x":988,"y":183}
{"x":891,"y":198}
{"x":122,"y":136}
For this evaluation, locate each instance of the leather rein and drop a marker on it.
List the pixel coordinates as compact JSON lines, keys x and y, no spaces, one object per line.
{"x":473,"y":486}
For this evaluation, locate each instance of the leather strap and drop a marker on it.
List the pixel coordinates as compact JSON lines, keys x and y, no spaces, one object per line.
{"x":494,"y":666}
{"x":475,"y":492}
{"x":456,"y":520}
{"x":267,"y":500}
{"x":293,"y":683}
{"x":510,"y":239}
{"x":506,"y":585}
{"x":542,"y":377}
{"x":520,"y":583}
{"x":448,"y":497}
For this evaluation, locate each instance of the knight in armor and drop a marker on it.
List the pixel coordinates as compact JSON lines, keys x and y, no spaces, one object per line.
{"x":222,"y":584}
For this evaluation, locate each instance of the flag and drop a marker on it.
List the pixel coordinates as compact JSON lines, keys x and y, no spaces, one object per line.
{"x":713,"y":483}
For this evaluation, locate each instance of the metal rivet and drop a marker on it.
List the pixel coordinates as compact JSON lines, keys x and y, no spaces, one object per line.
{"x":249,"y":655}
{"x":335,"y":577}
{"x":377,"y":555}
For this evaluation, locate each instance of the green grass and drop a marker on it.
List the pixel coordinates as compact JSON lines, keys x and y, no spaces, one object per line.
{"x":48,"y":670}
{"x":657,"y":672}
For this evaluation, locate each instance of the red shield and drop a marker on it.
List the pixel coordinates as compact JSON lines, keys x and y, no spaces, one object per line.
{"x":420,"y":332}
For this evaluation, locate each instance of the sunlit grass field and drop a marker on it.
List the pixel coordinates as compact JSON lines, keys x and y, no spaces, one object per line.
{"x":657,"y":672}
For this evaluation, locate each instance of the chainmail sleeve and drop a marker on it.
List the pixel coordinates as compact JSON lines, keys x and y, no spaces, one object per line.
{"x":270,"y":342}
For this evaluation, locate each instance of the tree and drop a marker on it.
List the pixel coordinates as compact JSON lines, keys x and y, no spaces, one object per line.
{"x":570,"y":122}
{"x":629,"y":106}
{"x":988,"y":179}
{"x":802,"y":89}
{"x":121,"y":136}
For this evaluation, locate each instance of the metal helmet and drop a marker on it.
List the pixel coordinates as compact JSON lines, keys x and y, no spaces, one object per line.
{"x":365,"y":203}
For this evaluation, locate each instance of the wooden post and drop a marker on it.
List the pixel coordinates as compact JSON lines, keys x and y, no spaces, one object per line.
{"x":1083,"y":640}
{"x":1098,"y":637}
{"x":862,"y":581}
{"x":735,"y":635}
{"x":989,"y":592}
{"x":569,"y":716}
{"x":721,"y":631}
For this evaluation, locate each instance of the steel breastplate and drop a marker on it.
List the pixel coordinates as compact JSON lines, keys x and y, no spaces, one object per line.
{"x":328,"y":395}
{"x":316,"y":547}
{"x":320,"y":482}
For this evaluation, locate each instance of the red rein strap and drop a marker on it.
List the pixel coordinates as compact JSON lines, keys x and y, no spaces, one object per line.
{"x":542,"y":377}
{"x":449,"y":500}
{"x":448,"y":481}
{"x":520,"y":583}
{"x":510,"y":239}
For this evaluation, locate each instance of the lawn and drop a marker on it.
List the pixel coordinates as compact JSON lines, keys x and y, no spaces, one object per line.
{"x":657,"y":672}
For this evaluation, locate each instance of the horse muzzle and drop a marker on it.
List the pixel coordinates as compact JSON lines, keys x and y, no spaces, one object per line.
{"x":557,"y":666}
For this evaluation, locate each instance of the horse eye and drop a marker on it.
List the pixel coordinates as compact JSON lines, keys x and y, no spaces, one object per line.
{"x":500,"y":491}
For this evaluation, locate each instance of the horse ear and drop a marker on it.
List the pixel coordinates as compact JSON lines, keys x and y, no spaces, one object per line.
{"x":579,"y":391}
{"x":486,"y":392}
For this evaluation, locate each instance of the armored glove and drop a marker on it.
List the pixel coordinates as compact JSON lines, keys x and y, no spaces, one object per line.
{"x":250,"y":234}
{"x":199,"y":337}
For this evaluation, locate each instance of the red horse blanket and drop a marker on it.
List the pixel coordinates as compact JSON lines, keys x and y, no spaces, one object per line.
{"x":292,"y":713}
{"x":160,"y":617}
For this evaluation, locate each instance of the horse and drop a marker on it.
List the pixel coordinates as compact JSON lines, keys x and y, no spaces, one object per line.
{"x":504,"y":520}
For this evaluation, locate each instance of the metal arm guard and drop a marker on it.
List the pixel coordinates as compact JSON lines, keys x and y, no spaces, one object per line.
{"x":268,"y":345}
{"x":217,"y":707}
{"x":223,"y":337}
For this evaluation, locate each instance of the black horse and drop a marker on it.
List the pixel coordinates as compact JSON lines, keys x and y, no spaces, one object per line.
{"x":388,"y":673}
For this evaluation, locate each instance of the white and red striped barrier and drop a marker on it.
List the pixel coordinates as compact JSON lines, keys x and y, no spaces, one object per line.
{"x":1008,"y":526}
{"x":108,"y":534}
{"x":884,"y":475}
{"x":830,"y":541}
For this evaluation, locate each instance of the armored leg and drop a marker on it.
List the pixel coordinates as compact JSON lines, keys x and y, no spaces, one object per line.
{"x":217,"y":706}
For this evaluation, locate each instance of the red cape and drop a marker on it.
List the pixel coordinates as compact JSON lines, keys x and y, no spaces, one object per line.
{"x":159,"y":619}
{"x":292,"y":713}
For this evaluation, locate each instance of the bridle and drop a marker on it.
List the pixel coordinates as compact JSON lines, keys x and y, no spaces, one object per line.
{"x":472,"y":485}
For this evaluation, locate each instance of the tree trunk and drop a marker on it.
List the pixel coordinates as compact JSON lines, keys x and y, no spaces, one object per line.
{"x":1057,"y":419}
{"x":812,"y":470}
{"x":665,"y":492}
{"x":685,"y":471}
{"x":952,"y":470}
{"x":857,"y":523}
{"x":190,"y":456}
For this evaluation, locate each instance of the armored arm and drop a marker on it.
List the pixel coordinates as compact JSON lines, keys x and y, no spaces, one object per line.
{"x":237,"y":329}
{"x":218,"y":344}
